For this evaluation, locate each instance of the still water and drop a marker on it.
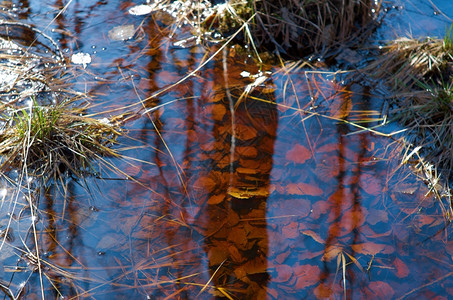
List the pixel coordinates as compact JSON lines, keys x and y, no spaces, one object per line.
{"x":243,"y":182}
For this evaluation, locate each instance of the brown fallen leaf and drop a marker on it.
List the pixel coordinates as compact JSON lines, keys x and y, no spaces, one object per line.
{"x":205,"y":182}
{"x":313,"y":235}
{"x":248,"y":152}
{"x":218,"y":112}
{"x":380,"y":290}
{"x":303,"y":189}
{"x":377,"y":215}
{"x":369,"y":248}
{"x":341,"y":106}
{"x":284,"y":273}
{"x":323,"y":291}
{"x":290,"y":231}
{"x":401,"y":268}
{"x":319,"y":208}
{"x":371,"y":184}
{"x":244,"y":132}
{"x":298,"y":154}
{"x":328,"y":168}
{"x":327,"y":148}
{"x":331,"y":252}
{"x":307,"y":275}
{"x":216,"y":199}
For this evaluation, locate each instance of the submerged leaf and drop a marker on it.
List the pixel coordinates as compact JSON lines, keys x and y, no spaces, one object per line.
{"x":303,"y":189}
{"x":369,"y":248}
{"x":401,"y":268}
{"x":298,"y":154}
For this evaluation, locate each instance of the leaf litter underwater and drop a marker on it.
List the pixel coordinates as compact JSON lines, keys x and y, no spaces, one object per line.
{"x":276,"y":192}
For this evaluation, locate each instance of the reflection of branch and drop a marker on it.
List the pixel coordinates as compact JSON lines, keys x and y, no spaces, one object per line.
{"x":440,"y":12}
{"x":425,"y":285}
{"x":232,"y":112}
{"x":57,"y":48}
{"x":313,"y":113}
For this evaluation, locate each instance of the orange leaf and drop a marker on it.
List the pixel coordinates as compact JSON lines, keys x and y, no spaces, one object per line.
{"x":328,"y":148}
{"x":216,"y":199}
{"x":250,"y":152}
{"x":290,"y":231}
{"x":218,"y":112}
{"x":298,"y":154}
{"x":206,"y":183}
{"x":341,"y":106}
{"x":401,"y":268}
{"x":381,"y":290}
{"x":284,"y":273}
{"x":371,"y":184}
{"x":319,"y":208}
{"x":244,"y":132}
{"x":313,"y":235}
{"x":368,"y":248}
{"x":328,"y":168}
{"x":352,"y":219}
{"x":323,"y":291}
{"x":303,"y":189}
{"x":307,"y":275}
{"x":377,"y":215}
{"x":332,"y":252}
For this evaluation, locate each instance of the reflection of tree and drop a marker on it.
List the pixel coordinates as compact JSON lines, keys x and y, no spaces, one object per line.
{"x":225,"y":206}
{"x":346,"y":214}
{"x":235,"y":224}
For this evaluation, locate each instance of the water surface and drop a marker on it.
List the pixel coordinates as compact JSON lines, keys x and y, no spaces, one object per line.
{"x":266,"y":196}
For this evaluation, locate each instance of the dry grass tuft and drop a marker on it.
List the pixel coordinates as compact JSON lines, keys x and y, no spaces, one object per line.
{"x":304,"y":27}
{"x":50,"y":139}
{"x":297,"y":28}
{"x":408,"y":61}
{"x":43,"y":132}
{"x":420,"y":73}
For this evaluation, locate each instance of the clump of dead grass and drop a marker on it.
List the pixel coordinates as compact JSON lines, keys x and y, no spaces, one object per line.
{"x":297,"y":28}
{"x":50,"y":139}
{"x":44,"y":129}
{"x":420,"y":73}
{"x":407,"y":61}
{"x":304,"y":27}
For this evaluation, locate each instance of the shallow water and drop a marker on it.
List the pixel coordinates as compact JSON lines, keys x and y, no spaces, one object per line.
{"x":265,"y":197}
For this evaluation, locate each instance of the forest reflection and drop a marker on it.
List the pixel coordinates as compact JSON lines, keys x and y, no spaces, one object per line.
{"x":215,"y":169}
{"x":268,"y":196}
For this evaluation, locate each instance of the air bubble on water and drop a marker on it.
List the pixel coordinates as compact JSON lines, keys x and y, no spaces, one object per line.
{"x":93,"y":208}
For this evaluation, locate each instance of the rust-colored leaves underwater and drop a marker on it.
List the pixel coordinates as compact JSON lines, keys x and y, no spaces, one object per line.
{"x":298,"y":210}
